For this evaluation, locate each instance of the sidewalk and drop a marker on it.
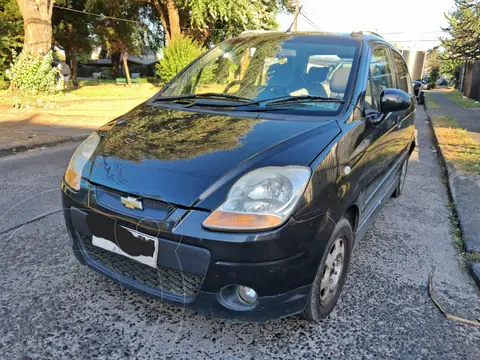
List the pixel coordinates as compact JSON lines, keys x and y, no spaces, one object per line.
{"x":465,"y":187}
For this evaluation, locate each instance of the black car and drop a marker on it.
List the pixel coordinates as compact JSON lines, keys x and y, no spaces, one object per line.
{"x":241,"y":188}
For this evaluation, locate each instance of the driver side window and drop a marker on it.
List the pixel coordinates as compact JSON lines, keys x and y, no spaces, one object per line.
{"x":381,"y":77}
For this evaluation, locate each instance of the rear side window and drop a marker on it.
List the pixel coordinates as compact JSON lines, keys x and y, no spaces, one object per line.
{"x":404,"y":82}
{"x":380,"y":74}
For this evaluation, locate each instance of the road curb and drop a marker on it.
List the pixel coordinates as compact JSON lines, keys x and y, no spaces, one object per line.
{"x":475,"y":271}
{"x":22,"y":148}
{"x":450,"y":173}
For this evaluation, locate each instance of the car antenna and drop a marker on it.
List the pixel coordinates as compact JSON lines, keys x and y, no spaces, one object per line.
{"x":289,"y":30}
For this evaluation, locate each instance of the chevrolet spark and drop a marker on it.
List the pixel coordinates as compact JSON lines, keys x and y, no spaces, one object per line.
{"x":241,"y":188}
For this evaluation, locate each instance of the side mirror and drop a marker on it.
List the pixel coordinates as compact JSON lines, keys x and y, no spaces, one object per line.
{"x":392,"y":100}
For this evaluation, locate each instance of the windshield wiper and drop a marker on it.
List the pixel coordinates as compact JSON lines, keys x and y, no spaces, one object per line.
{"x":213,"y":96}
{"x":300,"y":99}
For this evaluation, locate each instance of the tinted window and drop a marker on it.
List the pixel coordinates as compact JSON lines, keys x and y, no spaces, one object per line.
{"x":402,"y":73}
{"x":265,"y":67}
{"x":380,"y":72}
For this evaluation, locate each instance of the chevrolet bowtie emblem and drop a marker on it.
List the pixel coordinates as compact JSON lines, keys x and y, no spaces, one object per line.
{"x":131,"y":203}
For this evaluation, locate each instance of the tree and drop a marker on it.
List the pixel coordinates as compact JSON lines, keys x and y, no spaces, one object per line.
{"x":168,"y":12}
{"x":71,"y":31}
{"x":11,"y":33}
{"x":451,"y":69}
{"x":215,"y":20}
{"x":433,"y":65}
{"x":123,"y":29}
{"x":180,"y":52}
{"x":117,"y":35}
{"x":464,"y":30}
{"x":37,"y":25}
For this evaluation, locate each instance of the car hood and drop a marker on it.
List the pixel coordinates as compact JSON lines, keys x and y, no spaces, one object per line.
{"x":179,"y":156}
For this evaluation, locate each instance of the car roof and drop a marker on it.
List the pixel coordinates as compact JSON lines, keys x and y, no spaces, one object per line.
{"x":358,"y":35}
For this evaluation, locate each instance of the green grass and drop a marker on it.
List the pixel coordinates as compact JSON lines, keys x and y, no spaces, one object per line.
{"x":98,"y":82}
{"x":457,"y":96}
{"x":445,"y":121}
{"x":111,"y":90}
{"x":104,"y":89}
{"x":457,"y":145}
{"x":431,"y":102}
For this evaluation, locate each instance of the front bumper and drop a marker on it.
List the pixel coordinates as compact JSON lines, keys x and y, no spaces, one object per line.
{"x":194,"y":264}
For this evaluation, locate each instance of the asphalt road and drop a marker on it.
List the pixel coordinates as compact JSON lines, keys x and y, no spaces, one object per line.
{"x":51,"y":307}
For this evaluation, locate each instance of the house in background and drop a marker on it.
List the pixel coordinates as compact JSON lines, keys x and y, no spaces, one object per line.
{"x":143,"y":65}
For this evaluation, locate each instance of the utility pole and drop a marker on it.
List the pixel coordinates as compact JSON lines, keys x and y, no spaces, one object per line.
{"x":297,"y":11}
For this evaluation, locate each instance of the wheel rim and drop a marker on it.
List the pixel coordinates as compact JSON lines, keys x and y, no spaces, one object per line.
{"x":332,"y":271}
{"x":403,"y":174}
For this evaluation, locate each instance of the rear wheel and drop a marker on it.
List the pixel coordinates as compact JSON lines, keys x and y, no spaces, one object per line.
{"x":331,"y":273}
{"x":403,"y":174}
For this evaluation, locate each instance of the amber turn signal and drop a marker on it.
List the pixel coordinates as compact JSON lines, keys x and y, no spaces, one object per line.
{"x":72,"y":178}
{"x":241,"y":221}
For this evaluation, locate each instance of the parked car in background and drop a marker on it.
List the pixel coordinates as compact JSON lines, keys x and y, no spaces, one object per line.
{"x":241,"y":188}
{"x":442,"y":81}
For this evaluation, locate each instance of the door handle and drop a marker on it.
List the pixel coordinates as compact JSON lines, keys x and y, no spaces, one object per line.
{"x":399,"y":121}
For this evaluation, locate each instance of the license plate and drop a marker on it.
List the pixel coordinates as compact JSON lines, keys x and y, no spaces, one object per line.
{"x":132,"y":244}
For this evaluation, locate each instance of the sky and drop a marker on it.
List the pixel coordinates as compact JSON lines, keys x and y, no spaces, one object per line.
{"x":412,"y":24}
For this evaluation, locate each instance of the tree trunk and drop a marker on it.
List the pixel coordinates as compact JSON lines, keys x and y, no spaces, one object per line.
{"x":37,"y":23}
{"x":115,"y":58}
{"x":103,"y":53}
{"x":68,"y":56}
{"x":73,"y":67}
{"x":173,"y":19}
{"x":163,"y":14}
{"x":125,"y":67}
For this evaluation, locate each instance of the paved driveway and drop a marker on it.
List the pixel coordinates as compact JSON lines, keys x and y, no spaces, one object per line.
{"x":51,"y":307}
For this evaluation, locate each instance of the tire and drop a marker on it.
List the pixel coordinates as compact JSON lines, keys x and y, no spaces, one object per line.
{"x":320,"y":301}
{"x":401,"y":182}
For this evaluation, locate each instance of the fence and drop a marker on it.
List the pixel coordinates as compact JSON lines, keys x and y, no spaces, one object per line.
{"x":470,"y":80}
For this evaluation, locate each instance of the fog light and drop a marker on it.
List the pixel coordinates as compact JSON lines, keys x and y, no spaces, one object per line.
{"x":247,"y":294}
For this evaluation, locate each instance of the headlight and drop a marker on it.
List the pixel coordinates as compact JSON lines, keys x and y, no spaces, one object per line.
{"x":262,"y":199}
{"x":73,"y":175}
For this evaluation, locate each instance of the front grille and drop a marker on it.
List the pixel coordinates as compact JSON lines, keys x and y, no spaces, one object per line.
{"x":147,"y":202}
{"x":162,"y":278}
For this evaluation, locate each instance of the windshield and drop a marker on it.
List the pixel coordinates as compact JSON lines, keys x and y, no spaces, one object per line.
{"x":274,"y":66}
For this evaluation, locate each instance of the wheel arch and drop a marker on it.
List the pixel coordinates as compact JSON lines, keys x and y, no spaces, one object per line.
{"x":352,"y":215}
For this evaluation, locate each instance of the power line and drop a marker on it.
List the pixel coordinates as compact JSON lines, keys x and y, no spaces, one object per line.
{"x":306,"y":18}
{"x":102,"y":16}
{"x":97,"y":15}
{"x":307,"y":6}
{"x":311,"y":23}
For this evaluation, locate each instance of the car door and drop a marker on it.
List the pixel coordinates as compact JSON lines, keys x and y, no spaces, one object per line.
{"x":380,"y":129}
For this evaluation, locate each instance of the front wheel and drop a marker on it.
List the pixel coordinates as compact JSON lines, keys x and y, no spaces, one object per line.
{"x":331,"y":273}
